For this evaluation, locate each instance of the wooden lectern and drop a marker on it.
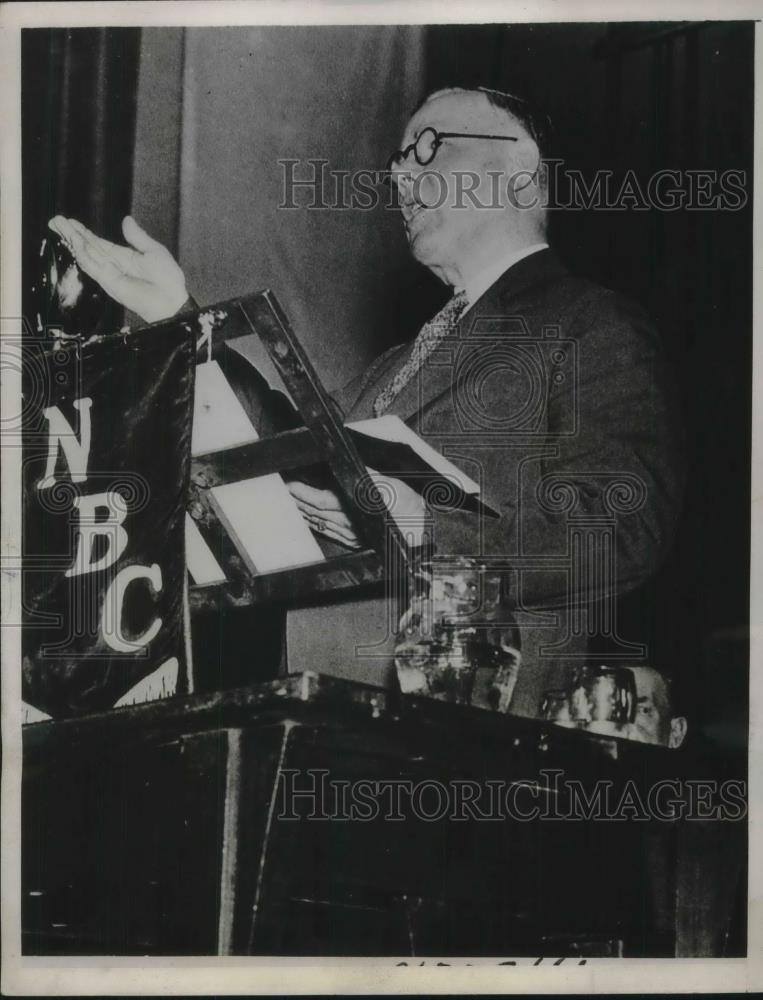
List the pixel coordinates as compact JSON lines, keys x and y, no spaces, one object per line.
{"x":217,"y":823}
{"x":322,"y":439}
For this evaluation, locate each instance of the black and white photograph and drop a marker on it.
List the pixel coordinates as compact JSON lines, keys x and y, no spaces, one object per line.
{"x":377,"y":451}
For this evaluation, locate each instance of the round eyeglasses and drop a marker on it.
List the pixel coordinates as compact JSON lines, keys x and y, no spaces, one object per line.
{"x":429,"y":140}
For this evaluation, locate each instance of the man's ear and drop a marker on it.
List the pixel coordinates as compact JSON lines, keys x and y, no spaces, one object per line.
{"x":524,"y":167}
{"x":678,"y":727}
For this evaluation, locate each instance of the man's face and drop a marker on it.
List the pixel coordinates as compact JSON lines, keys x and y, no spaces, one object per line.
{"x":441,"y":219}
{"x":653,"y":722}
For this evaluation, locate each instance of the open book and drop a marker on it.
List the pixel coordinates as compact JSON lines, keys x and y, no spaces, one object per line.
{"x":260,"y":514}
{"x":389,"y":446}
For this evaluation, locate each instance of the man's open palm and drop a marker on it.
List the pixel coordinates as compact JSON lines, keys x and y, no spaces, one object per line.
{"x":143,"y":276}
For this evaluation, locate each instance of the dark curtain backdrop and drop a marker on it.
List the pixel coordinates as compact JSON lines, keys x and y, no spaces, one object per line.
{"x":646,"y":97}
{"x":78,"y":92}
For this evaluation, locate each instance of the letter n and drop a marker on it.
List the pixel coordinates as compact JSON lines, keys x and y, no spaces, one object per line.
{"x":60,"y":433}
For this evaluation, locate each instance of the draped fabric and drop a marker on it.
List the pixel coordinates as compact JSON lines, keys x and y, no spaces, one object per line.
{"x":107,"y":456}
{"x":78,"y":91}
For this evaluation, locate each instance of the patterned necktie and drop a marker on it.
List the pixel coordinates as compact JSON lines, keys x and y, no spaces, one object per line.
{"x":430,"y":335}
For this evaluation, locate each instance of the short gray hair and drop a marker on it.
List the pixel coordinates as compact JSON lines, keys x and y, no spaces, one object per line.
{"x":536,"y":123}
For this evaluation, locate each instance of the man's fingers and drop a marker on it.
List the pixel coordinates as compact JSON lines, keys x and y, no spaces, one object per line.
{"x":320,"y":499}
{"x":145,"y":284}
{"x":322,"y":511}
{"x":63,"y":228}
{"x":86,"y":234}
{"x":93,"y":261}
{"x":333,"y":524}
{"x":336,"y":518}
{"x":123,"y":257}
{"x":106,"y":273}
{"x":78,"y":236}
{"x":333,"y":517}
{"x":351,"y":541}
{"x":138,"y":237}
{"x":100,"y":268}
{"x":80,"y":239}
{"x":90,"y":247}
{"x":86,"y":256}
{"x":89,"y":238}
{"x":330,"y":529}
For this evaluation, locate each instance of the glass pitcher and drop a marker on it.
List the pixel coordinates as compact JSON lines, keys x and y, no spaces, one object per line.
{"x":458,"y":641}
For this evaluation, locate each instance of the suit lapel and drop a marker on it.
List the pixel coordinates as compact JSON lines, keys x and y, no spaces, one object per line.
{"x":434,"y":379}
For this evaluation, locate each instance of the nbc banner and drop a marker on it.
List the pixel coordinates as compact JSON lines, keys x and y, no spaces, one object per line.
{"x":106,"y":458}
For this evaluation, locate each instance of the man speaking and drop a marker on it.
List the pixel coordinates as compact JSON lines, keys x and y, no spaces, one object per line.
{"x":548,"y":390}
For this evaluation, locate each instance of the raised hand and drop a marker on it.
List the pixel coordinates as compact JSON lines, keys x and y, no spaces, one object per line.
{"x":143,"y":276}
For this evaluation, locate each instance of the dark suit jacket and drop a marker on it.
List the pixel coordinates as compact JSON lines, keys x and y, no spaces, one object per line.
{"x":554,"y":394}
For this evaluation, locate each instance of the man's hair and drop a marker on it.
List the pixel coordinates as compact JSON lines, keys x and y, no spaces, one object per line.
{"x":527,"y":116}
{"x":535,"y":122}
{"x":673,"y":691}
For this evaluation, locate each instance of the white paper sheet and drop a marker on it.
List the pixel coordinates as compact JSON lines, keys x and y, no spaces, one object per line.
{"x":202,"y":565}
{"x":264,"y":522}
{"x":219,"y":419}
{"x":392,"y":428}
